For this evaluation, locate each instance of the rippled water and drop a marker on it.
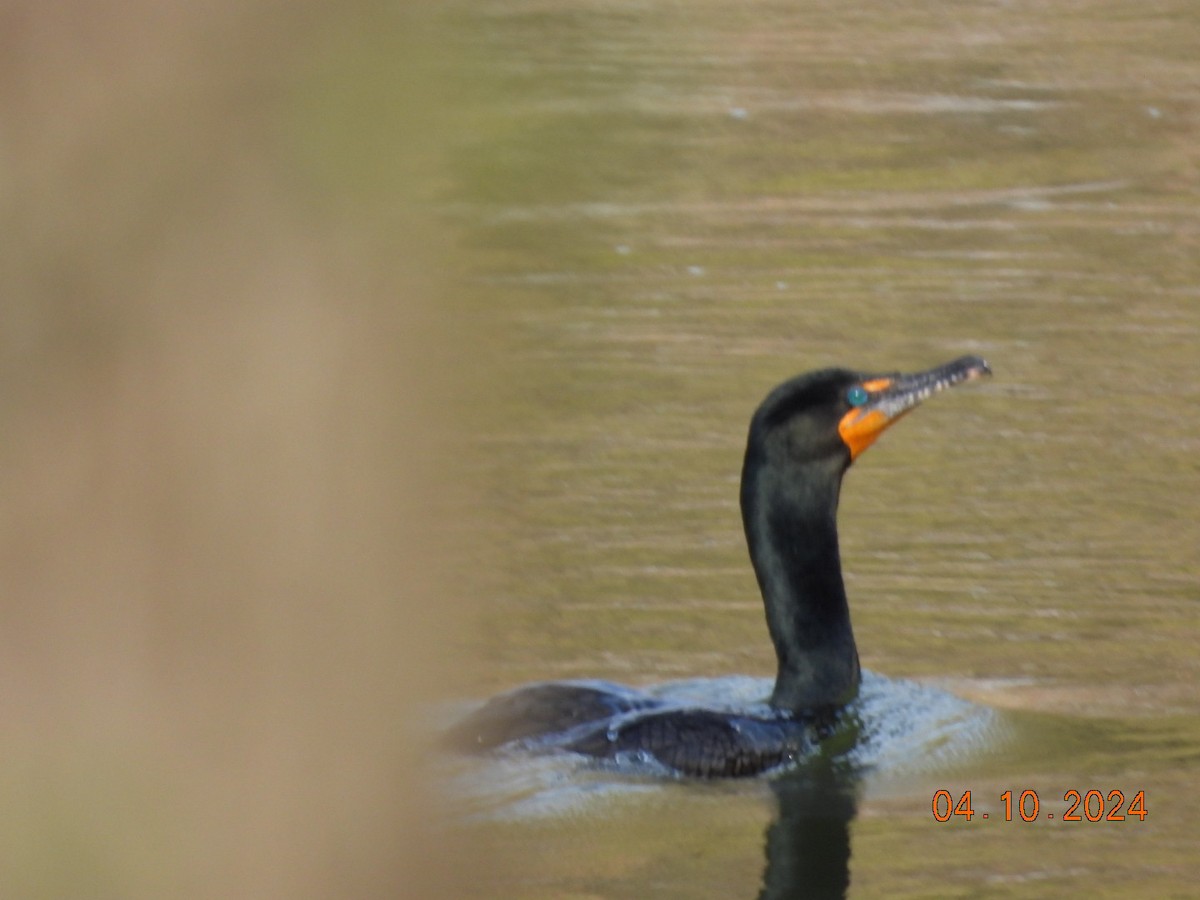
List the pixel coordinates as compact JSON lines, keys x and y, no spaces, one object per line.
{"x":666,"y":211}
{"x":895,"y":729}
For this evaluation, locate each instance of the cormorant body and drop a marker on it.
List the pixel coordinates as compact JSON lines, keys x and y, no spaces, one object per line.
{"x":803,"y":438}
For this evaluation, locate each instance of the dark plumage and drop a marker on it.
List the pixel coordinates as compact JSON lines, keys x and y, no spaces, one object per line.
{"x":803,"y":438}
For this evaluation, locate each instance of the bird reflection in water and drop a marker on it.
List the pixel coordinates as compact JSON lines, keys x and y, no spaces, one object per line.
{"x":807,"y":845}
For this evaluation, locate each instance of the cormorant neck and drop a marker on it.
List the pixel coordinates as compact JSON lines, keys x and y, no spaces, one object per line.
{"x":790,"y":516}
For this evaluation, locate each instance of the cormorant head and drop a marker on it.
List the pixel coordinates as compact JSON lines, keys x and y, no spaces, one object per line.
{"x":832,"y":415}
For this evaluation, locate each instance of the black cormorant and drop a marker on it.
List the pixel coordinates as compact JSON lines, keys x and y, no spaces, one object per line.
{"x":803,"y":438}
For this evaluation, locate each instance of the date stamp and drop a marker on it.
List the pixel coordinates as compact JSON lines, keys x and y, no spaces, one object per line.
{"x":1089,"y":806}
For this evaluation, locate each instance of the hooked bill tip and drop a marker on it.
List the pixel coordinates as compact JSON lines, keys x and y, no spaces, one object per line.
{"x":972,"y":367}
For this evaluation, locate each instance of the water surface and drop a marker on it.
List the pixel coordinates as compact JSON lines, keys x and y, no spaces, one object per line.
{"x":668,"y":210}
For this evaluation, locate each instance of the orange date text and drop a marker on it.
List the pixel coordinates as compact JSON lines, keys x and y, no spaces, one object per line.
{"x":1027,"y":806}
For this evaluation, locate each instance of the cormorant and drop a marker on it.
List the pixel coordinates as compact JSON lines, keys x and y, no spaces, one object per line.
{"x":803,"y":438}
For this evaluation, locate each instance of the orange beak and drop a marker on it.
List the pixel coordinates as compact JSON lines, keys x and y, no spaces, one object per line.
{"x":889,"y":397}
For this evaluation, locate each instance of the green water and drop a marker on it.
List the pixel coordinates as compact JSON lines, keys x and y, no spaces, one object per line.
{"x":667,"y":208}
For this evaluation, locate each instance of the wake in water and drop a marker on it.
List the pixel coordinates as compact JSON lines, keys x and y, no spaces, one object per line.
{"x":894,"y":727}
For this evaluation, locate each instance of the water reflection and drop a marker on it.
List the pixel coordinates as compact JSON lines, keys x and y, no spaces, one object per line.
{"x":808,"y":843}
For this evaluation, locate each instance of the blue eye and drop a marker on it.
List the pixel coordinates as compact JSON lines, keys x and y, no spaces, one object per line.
{"x":857,"y":396}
